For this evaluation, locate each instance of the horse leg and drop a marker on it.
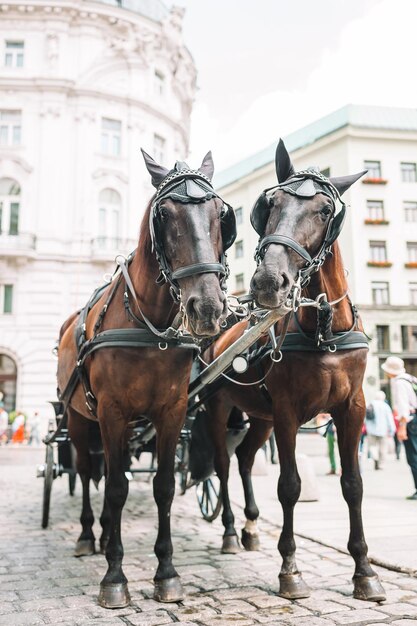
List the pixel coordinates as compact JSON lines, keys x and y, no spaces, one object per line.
{"x":217,"y":420}
{"x":168,"y":586}
{"x":348,"y":421}
{"x":113,"y":588}
{"x":256,"y":437}
{"x":291,"y":583}
{"x":78,"y":429}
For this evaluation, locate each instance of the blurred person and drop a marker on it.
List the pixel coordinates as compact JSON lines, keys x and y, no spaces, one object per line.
{"x":34,"y":425}
{"x":379,"y":424}
{"x":18,"y":428}
{"x":4,"y":421}
{"x":329,"y":431}
{"x":404,"y":402}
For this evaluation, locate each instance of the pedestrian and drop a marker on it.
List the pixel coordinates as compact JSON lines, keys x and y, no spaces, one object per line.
{"x":404,"y":402}
{"x":18,"y":428}
{"x":379,"y":424}
{"x":34,"y":425}
{"x":4,"y":421}
{"x":329,"y":431}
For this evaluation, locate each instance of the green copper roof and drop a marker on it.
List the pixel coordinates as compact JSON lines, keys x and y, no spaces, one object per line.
{"x":383,"y":118}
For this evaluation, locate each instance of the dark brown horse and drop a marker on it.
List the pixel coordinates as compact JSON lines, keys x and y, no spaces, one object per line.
{"x":184,"y":234}
{"x":322,"y":366}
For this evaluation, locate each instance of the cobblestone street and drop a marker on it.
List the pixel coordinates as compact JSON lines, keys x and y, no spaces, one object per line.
{"x":42,"y":583}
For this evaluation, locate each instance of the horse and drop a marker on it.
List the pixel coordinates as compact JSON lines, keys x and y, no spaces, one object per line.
{"x":318,"y":364}
{"x":126,"y":355}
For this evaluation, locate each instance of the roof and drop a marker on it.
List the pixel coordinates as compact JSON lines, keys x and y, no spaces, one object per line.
{"x":153,"y":9}
{"x":383,"y":118}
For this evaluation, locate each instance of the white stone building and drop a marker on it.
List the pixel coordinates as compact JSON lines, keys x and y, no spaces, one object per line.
{"x":379,"y":239}
{"x":83,"y":85}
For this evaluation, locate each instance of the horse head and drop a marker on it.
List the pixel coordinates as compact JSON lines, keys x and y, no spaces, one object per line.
{"x":297,"y":221}
{"x":191,"y":228}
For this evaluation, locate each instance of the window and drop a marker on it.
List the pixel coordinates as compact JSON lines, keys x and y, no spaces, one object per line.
{"x":413,"y":293}
{"x":111,"y":134}
{"x":412,"y":251}
{"x":374,"y":168}
{"x":408,"y":172}
{"x":240,"y":282}
{"x":159,"y":148}
{"x":9,"y":206}
{"x":159,"y":83}
{"x":6,"y":298}
{"x":239,"y":215}
{"x":14,"y":53}
{"x":239,"y":249}
{"x":375,"y":209}
{"x":380,"y":293}
{"x":410,"y":211}
{"x":378,"y":251}
{"x":382,"y":337}
{"x":409,"y":338}
{"x":109,"y":219}
{"x":10,"y":128}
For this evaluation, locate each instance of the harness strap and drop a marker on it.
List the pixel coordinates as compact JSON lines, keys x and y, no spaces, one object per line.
{"x":199,"y":268}
{"x":286,"y":241}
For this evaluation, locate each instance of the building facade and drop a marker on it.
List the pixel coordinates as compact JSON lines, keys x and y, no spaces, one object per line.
{"x":379,"y":239}
{"x":83,"y":85}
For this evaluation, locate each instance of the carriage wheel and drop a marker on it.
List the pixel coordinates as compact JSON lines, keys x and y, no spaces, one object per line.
{"x":209,"y":498}
{"x":47,"y":484}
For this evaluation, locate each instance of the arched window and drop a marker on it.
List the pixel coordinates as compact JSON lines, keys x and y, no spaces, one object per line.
{"x":9,"y":206}
{"x":109,"y":218}
{"x":8,"y":375}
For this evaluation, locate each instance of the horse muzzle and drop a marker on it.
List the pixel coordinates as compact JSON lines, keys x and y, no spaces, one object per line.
{"x":205,"y":315}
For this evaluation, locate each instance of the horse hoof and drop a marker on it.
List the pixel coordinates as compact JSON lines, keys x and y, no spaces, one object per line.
{"x":84,"y":547}
{"x":168,"y":590}
{"x":368,"y":588}
{"x":114,"y":596}
{"x":230,"y":545}
{"x":250,"y":542}
{"x":293,"y":587}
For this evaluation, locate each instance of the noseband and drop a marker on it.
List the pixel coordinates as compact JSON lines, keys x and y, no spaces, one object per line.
{"x":188,"y":186}
{"x":304,"y":184}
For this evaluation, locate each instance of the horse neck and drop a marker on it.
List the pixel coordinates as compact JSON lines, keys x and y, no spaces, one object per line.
{"x":331,"y":280}
{"x":155,"y":299}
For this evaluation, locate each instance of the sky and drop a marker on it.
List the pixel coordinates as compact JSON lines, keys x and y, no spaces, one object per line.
{"x":269,"y":67}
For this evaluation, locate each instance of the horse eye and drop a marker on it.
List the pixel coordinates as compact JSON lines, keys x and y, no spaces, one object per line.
{"x":163,"y":213}
{"x":326,"y":210}
{"x":223,"y":210}
{"x":271,"y":202}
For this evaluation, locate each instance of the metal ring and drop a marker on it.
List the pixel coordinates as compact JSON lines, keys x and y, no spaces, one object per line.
{"x":223,"y":324}
{"x":279,"y":359}
{"x":162,"y":345}
{"x":332,"y":348}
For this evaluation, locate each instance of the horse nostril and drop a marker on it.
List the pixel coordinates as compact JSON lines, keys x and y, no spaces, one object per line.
{"x":191,"y":308}
{"x":285,"y":281}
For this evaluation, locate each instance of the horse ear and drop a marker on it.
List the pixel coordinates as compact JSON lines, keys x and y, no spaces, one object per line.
{"x":283,"y":166}
{"x":207,"y":166}
{"x":157,"y":172}
{"x":342,"y":183}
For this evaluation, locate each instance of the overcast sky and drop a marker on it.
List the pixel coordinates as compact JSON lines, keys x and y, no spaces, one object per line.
{"x":268,"y":67}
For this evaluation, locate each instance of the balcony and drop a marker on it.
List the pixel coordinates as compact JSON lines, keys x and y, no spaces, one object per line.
{"x":20,"y":245}
{"x":107,"y":248}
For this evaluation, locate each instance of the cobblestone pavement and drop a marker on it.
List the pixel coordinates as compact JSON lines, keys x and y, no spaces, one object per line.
{"x":42,"y":583}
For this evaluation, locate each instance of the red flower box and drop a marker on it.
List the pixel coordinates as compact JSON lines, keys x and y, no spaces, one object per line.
{"x":380,"y":264}
{"x":376,"y":222}
{"x":412,"y":265}
{"x":374,"y":181}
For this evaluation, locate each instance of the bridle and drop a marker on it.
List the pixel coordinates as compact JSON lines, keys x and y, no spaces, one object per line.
{"x":188,"y":186}
{"x":306,"y":184}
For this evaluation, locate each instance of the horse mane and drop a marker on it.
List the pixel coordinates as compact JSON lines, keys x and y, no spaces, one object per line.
{"x":145,"y":242}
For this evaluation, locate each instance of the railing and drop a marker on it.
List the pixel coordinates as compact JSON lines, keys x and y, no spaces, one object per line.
{"x":17,"y":244}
